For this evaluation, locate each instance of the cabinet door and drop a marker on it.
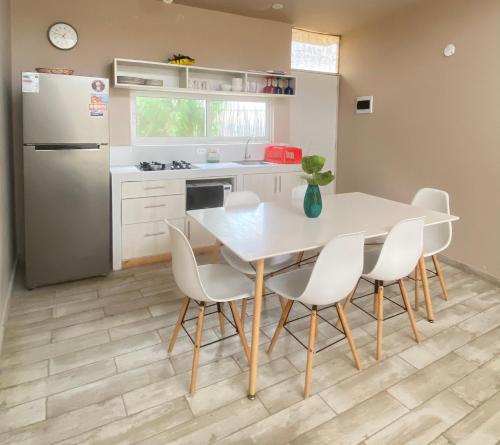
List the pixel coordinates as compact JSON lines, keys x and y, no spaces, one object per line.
{"x":286,"y":183}
{"x":264,"y":184}
{"x":147,"y":239}
{"x":197,"y":235}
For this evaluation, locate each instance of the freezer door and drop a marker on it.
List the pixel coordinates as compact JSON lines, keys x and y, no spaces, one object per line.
{"x":67,"y":212}
{"x":62,"y":109}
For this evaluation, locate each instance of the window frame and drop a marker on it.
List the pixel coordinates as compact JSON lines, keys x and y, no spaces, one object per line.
{"x":328,"y":73}
{"x":171,"y":141}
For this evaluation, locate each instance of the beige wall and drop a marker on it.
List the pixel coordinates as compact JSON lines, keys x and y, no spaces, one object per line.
{"x":6,"y":201}
{"x":436,"y":120}
{"x":140,"y":29}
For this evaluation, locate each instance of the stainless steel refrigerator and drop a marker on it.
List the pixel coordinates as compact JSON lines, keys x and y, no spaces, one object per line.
{"x":66,"y":178}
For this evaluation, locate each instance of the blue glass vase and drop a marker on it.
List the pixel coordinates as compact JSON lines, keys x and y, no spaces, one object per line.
{"x":312,"y":201}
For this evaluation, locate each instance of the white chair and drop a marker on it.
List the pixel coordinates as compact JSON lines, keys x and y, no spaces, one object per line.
{"x":330,"y":280}
{"x":240,"y":200}
{"x":393,"y":261}
{"x":203,"y":284}
{"x":436,"y":238}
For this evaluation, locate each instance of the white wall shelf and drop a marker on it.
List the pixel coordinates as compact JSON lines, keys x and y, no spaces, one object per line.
{"x":179,"y":78}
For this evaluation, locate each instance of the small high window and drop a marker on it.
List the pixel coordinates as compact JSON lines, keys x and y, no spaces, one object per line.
{"x":312,"y":51}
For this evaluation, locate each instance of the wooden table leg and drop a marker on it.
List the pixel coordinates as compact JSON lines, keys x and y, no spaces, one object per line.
{"x":257,"y":306}
{"x":427,"y":292}
{"x":216,"y":252}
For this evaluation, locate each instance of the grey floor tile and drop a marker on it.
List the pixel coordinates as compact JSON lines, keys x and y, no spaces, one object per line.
{"x":481,"y":426}
{"x":431,"y":380}
{"x":356,"y":424}
{"x":22,"y":415}
{"x":425,"y":423}
{"x":285,"y":425}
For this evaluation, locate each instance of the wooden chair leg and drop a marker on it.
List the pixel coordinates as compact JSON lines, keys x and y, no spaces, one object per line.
{"x":180,"y":319}
{"x":240,"y":329}
{"x":347,"y":301}
{"x":347,"y":332}
{"x":283,"y":319}
{"x":427,"y":293}
{"x":380,"y":321}
{"x":197,"y":346}
{"x":417,"y":302}
{"x":310,"y":351}
{"x":220,"y":310}
{"x":243,"y":311}
{"x":282,"y":303}
{"x":406,"y":300}
{"x":375,"y":293}
{"x":440,"y":276}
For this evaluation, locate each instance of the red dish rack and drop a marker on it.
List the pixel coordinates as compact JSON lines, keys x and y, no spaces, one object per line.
{"x":283,"y":154}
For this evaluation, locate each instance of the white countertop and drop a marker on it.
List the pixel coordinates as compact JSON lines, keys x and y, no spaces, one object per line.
{"x":132,"y":173}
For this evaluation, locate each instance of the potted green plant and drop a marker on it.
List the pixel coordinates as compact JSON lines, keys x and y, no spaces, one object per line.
{"x":312,"y":166}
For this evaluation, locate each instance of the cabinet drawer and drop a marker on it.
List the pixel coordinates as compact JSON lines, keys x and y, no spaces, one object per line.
{"x":141,"y":189}
{"x":147,"y":239}
{"x":154,"y":208}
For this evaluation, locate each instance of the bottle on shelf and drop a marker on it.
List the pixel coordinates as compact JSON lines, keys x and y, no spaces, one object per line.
{"x":274,"y":83}
{"x":268,"y":89}
{"x":279,"y":87}
{"x":289,"y":89}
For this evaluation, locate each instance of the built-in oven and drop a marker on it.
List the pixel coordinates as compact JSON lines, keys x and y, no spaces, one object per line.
{"x":206,"y":194}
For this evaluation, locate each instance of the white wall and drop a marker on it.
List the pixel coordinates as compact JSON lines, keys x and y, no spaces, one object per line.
{"x":313,"y":117}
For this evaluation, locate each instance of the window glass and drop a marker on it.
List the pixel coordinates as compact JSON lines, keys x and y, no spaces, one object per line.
{"x":313,"y":51}
{"x":237,"y":119}
{"x":161,"y":117}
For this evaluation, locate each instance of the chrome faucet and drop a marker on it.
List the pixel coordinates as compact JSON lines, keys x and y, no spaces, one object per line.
{"x":247,"y":155}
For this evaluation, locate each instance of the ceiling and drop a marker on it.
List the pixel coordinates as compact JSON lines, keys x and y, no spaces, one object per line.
{"x":329,"y":16}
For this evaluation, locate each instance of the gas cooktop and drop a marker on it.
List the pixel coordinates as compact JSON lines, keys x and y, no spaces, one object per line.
{"x":174,"y":165}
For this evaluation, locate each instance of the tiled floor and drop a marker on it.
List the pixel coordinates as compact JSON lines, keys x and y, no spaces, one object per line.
{"x":86,"y":363}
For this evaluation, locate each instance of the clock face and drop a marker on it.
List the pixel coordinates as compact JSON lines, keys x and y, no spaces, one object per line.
{"x":62,"y":36}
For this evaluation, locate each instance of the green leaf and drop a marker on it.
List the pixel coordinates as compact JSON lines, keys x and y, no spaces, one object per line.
{"x":313,"y":164}
{"x":323,"y":178}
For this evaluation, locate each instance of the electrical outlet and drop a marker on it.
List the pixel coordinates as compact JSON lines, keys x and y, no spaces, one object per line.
{"x":201,"y":151}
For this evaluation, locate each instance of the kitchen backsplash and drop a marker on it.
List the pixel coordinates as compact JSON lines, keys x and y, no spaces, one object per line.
{"x":131,"y":155}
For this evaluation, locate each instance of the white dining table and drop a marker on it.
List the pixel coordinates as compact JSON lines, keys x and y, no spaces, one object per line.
{"x":271,"y":229}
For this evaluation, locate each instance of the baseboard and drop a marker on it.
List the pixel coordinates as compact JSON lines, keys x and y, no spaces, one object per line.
{"x":467,"y":268}
{"x":5,"y":309}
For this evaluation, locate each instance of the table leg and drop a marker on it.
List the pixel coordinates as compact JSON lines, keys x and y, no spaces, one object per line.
{"x":427,"y":292}
{"x":216,"y":252}
{"x":257,"y":305}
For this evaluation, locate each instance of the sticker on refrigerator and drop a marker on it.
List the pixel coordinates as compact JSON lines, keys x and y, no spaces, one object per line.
{"x":98,"y":85}
{"x":98,"y":104}
{"x":30,"y":82}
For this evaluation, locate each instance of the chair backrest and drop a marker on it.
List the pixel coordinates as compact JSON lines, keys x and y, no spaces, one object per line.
{"x":241,"y":199}
{"x":184,"y":266}
{"x":336,"y":271}
{"x":436,"y":237}
{"x":401,"y":251}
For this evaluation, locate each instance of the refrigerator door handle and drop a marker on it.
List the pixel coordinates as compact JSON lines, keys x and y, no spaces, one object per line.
{"x":55,"y":147}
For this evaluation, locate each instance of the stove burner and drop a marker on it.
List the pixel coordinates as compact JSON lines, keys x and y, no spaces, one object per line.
{"x":180,"y":165}
{"x":151,"y":166}
{"x":174,"y":165}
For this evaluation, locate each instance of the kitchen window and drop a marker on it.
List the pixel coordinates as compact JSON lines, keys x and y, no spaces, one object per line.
{"x":312,"y":51}
{"x":161,"y":119}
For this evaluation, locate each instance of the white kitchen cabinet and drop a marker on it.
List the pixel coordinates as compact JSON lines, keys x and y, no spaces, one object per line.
{"x":142,"y":189}
{"x":272,"y":187}
{"x":153,"y":208}
{"x":197,"y":235}
{"x":263,"y":184}
{"x":147,"y":239}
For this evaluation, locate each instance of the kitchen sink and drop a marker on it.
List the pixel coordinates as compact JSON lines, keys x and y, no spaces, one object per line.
{"x":252,"y":162}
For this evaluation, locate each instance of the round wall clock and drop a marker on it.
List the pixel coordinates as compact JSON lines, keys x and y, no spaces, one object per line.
{"x":62,"y":36}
